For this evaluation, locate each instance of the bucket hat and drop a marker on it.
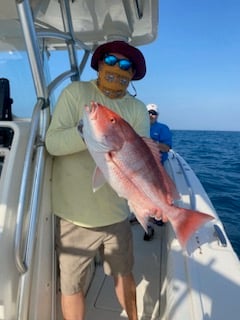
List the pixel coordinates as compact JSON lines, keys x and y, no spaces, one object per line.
{"x":121,"y":47}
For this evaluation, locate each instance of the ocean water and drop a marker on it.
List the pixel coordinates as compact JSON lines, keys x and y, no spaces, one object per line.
{"x":215,"y":158}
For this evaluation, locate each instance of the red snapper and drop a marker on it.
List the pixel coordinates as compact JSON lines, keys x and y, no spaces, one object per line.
{"x":130,"y":164}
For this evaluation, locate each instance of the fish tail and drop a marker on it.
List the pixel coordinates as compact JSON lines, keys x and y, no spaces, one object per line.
{"x":186,"y":222}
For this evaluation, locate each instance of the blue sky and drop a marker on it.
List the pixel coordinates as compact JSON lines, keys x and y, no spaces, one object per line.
{"x":194,"y":65}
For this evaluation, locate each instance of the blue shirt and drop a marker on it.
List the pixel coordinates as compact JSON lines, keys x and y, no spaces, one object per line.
{"x":160,"y":132}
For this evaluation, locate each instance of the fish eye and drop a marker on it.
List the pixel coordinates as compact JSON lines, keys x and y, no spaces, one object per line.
{"x":112,"y":120}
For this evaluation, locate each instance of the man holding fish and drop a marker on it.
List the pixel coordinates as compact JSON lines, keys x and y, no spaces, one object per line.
{"x":90,"y":220}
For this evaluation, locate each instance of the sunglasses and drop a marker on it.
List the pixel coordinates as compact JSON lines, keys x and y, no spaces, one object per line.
{"x":123,"y":64}
{"x":153,"y":113}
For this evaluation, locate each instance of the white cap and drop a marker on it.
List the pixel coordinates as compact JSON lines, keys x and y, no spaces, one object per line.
{"x":152,"y":106}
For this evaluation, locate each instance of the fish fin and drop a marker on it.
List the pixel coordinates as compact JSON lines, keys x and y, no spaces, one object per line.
{"x":141,"y":216}
{"x":98,"y":179}
{"x":170,"y":186}
{"x":152,"y":145}
{"x":185,"y":222}
{"x":168,"y":183}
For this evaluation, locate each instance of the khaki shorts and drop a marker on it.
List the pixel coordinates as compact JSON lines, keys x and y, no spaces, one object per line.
{"x":77,"y":247}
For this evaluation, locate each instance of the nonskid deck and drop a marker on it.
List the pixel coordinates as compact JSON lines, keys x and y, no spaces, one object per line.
{"x":101,"y":299}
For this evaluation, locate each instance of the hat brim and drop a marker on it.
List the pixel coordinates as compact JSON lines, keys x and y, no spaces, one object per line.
{"x":121,"y":47}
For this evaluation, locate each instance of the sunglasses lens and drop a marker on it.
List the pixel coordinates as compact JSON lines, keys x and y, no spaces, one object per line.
{"x":110,"y":60}
{"x":125,"y":64}
{"x":153,"y":113}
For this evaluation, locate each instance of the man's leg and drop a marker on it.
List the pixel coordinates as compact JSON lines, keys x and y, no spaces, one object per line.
{"x":125,"y":288}
{"x":73,"y":307}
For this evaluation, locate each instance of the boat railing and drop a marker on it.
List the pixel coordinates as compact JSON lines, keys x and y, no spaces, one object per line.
{"x":33,"y":170}
{"x":24,"y":247}
{"x":21,"y":262}
{"x":217,"y":225}
{"x":33,"y":31}
{"x":34,"y":54}
{"x":41,"y":114}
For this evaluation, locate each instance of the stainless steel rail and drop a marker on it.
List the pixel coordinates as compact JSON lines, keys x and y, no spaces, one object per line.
{"x":220,"y":235}
{"x":44,"y":30}
{"x":28,"y":209}
{"x":68,"y":28}
{"x":67,"y":74}
{"x":34,"y":54}
{"x":25,"y":256}
{"x":19,"y":251}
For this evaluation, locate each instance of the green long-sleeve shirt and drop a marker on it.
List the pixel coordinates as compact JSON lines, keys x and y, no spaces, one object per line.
{"x":73,"y":167}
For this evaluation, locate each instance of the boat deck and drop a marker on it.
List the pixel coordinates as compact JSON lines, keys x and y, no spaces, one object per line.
{"x":149,"y":261}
